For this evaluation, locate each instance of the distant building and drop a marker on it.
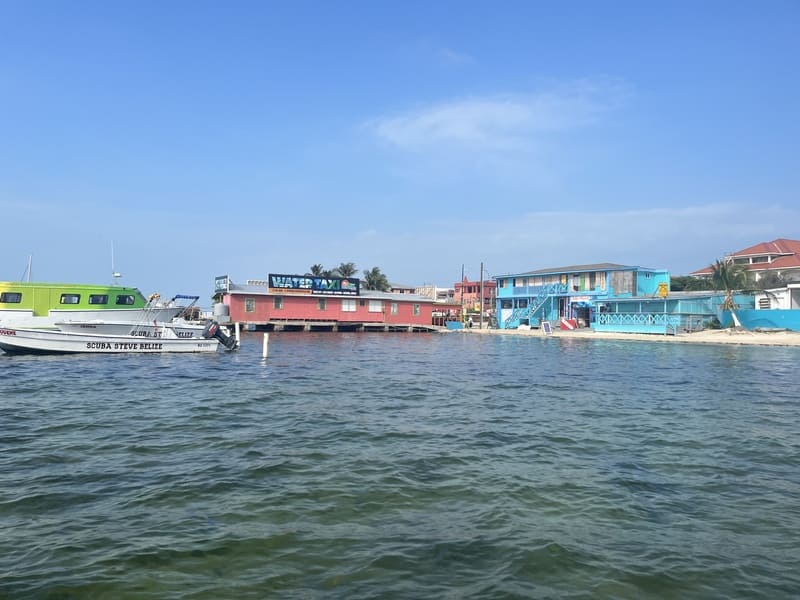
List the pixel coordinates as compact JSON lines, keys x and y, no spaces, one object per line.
{"x":577,"y":293}
{"x":774,"y":309}
{"x":786,"y":298}
{"x":468,"y":293}
{"x":781,"y":257}
{"x":309,"y":302}
{"x":435,"y":293}
{"x":396,"y":288}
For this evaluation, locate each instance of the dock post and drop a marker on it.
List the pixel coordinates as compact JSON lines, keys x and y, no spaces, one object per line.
{"x":265,"y":347}
{"x":236,"y":330}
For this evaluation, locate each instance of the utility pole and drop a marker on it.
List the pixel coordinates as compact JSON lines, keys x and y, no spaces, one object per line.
{"x":481,"y":320}
{"x":462,"y":292}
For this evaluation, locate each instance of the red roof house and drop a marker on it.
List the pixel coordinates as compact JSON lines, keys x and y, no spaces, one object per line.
{"x":779,"y":256}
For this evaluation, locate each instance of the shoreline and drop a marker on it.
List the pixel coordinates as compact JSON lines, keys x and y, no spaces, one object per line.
{"x":706,"y":336}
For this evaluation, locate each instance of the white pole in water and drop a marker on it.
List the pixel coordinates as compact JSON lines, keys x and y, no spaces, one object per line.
{"x":236,"y":332}
{"x":265,"y":347}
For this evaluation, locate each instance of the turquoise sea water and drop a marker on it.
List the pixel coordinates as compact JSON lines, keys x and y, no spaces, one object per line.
{"x":403,"y":466}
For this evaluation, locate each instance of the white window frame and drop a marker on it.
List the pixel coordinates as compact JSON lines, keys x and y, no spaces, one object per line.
{"x":375,"y":306}
{"x":348,"y":305}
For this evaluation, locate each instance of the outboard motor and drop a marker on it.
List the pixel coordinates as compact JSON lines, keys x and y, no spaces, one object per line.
{"x":213,"y":330}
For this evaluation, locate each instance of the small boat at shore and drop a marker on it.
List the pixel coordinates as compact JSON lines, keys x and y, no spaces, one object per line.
{"x":49,"y":341}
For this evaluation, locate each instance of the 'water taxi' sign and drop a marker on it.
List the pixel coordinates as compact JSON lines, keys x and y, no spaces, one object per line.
{"x":308,"y":284}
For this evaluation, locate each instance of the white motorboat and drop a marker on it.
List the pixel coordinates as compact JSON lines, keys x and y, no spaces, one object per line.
{"x":47,"y":341}
{"x":153,"y":329}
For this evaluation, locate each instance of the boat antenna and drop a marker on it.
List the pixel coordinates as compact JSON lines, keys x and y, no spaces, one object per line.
{"x":27,"y":272}
{"x":114,"y":274}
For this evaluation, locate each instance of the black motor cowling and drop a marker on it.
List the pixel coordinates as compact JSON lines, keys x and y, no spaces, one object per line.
{"x":213,"y":330}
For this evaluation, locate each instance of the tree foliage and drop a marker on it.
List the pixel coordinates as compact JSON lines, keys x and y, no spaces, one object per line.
{"x":343,"y":270}
{"x":728,"y":276}
{"x":346,"y":269}
{"x":689,"y":283}
{"x":375,"y":280}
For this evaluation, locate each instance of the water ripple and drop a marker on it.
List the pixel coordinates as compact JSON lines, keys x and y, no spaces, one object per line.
{"x":403,"y":466}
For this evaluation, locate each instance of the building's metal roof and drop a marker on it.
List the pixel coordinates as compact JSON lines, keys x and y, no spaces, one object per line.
{"x":260,"y":290}
{"x":693,"y":295}
{"x":578,"y":269}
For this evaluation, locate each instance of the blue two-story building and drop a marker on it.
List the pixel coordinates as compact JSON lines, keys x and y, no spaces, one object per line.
{"x":576,"y":293}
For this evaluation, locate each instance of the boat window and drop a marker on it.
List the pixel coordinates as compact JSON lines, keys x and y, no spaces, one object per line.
{"x":70,"y":298}
{"x":98,"y":298}
{"x":11,"y":297}
{"x":125,"y":299}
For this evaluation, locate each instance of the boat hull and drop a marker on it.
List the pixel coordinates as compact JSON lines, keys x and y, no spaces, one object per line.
{"x":38,"y":341}
{"x":26,"y":319}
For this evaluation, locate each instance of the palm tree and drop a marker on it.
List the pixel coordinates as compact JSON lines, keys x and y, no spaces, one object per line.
{"x":375,"y":280}
{"x":346,"y":269}
{"x":727,"y":275}
{"x":317,"y":270}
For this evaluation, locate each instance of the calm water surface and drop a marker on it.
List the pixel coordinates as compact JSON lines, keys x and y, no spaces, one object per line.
{"x":403,"y":466}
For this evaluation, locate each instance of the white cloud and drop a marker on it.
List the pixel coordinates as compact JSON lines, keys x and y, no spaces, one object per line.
{"x":452,"y":57}
{"x":499,"y":122}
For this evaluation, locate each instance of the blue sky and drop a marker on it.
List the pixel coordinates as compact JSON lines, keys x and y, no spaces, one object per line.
{"x":242,"y":138}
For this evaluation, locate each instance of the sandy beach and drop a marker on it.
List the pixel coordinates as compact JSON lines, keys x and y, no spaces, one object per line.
{"x":708,"y":336}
